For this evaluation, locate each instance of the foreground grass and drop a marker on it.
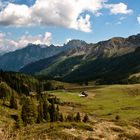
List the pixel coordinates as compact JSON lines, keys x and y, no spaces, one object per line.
{"x":106,"y":130}
{"x":52,"y":131}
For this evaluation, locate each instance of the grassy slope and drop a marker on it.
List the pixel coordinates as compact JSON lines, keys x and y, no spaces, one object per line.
{"x":106,"y":70}
{"x":122,"y":100}
{"x":62,"y":66}
{"x":106,"y":101}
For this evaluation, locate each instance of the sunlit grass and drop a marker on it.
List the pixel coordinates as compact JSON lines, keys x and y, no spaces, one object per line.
{"x":105,"y":102}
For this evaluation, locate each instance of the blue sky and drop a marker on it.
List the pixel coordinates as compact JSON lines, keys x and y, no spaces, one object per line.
{"x":55,"y":21}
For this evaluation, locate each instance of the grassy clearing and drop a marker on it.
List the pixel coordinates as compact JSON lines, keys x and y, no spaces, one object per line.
{"x":104,"y":102}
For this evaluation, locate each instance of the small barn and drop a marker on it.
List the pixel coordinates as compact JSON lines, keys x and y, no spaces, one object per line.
{"x":83,"y":94}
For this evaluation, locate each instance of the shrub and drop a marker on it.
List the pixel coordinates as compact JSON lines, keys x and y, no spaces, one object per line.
{"x":86,"y":118}
{"x":117,"y":117}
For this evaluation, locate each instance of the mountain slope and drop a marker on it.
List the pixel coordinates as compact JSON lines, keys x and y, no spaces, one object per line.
{"x":114,"y":47}
{"x":14,"y":61}
{"x":75,"y":52}
{"x":105,"y":61}
{"x":107,"y":70}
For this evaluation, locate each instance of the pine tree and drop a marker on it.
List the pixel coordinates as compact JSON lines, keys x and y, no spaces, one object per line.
{"x":39,"y":88}
{"x":78,"y":117}
{"x":46,"y":114}
{"x":13,"y":101}
{"x":70,"y":118}
{"x":57,"y":113}
{"x":57,"y":109}
{"x":5,"y":92}
{"x":53,"y":112}
{"x":48,"y":86}
{"x":86,"y":118}
{"x":29,"y":112}
{"x":40,"y":112}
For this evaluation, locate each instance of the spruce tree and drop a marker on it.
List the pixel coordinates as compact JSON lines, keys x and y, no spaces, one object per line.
{"x":57,"y":109}
{"x":13,"y":101}
{"x":53,"y":112}
{"x":70,"y":118}
{"x":29,"y":112}
{"x":5,"y":92}
{"x":78,"y":117}
{"x":86,"y":118}
{"x":57,"y":113}
{"x":40,"y":111}
{"x":46,"y":114}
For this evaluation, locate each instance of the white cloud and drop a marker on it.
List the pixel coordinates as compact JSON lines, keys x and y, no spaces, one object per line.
{"x":3,"y":4}
{"x":83,"y":24}
{"x":138,"y":18}
{"x":66,"y":13}
{"x":15,"y":14}
{"x":62,"y":13}
{"x":7,"y":44}
{"x":119,"y":8}
{"x":52,"y":12}
{"x":38,"y":39}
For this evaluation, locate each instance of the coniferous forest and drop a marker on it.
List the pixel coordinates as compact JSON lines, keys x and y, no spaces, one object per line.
{"x":33,"y":103}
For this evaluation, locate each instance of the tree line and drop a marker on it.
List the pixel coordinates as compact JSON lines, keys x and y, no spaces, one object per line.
{"x":38,"y":108}
{"x":42,"y":111}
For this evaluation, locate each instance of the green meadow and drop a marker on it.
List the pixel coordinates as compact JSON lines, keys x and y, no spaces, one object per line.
{"x":103,"y":102}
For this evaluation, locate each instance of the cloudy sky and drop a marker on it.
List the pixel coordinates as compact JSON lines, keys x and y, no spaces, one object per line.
{"x":56,"y":21}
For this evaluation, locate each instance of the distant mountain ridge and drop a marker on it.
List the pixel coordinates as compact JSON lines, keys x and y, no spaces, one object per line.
{"x":13,"y":61}
{"x":90,"y":61}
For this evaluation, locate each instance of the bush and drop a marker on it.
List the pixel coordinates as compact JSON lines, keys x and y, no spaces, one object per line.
{"x":117,"y":117}
{"x":78,"y":117}
{"x":86,"y":118}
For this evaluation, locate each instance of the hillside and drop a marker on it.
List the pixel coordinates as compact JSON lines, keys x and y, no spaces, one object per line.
{"x":106,"y":106}
{"x":110,"y":61}
{"x":107,"y":71}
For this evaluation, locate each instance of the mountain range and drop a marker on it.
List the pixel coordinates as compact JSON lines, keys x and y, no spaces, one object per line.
{"x":14,"y":61}
{"x":107,"y":61}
